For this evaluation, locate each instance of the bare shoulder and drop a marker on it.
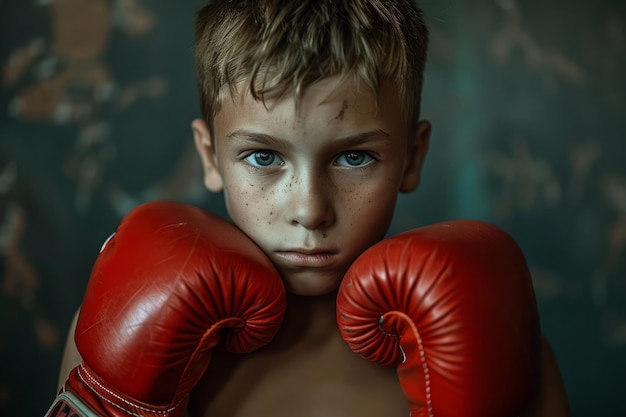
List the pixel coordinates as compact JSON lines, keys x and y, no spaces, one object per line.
{"x":551,"y":399}
{"x":71,"y":358}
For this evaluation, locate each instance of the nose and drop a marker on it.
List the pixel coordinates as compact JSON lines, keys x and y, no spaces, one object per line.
{"x":310,"y":202}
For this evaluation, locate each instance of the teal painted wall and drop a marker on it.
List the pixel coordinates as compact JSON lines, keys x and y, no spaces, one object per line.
{"x":527,"y":99}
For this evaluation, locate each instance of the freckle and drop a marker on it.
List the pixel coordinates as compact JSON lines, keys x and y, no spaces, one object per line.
{"x":324,"y":235}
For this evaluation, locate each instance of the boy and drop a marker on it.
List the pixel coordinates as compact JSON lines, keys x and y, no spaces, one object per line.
{"x":310,"y":129}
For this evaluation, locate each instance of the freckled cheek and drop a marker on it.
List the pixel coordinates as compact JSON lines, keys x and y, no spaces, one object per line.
{"x":370,"y":191}
{"x":368,"y":208}
{"x":251,"y":206}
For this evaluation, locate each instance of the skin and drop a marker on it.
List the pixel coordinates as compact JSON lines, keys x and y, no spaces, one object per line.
{"x":313,"y":200}
{"x":313,"y":183}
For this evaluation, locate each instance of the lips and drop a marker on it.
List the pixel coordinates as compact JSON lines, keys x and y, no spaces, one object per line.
{"x":307,"y":259}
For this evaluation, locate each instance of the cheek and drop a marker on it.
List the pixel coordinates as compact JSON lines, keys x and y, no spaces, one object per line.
{"x":378,"y":210}
{"x":368,"y":209}
{"x":376,"y":193}
{"x":250,"y":206}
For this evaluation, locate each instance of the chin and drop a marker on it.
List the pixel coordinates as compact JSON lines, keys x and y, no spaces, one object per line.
{"x":306,"y":285}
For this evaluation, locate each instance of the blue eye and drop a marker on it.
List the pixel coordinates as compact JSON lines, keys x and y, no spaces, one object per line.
{"x":262,"y":159}
{"x":354,"y":159}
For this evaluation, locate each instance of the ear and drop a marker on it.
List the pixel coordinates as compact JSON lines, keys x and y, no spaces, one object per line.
{"x":418,"y":148}
{"x":206,"y":149}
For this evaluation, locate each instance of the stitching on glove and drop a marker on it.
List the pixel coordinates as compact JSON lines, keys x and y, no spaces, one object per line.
{"x":83,"y":373}
{"x":420,"y":346}
{"x":422,"y":351}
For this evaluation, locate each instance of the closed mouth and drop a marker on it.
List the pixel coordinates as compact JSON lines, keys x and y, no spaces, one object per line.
{"x":307,"y":258}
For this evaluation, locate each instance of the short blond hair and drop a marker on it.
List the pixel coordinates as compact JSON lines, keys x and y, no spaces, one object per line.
{"x":279,"y":46}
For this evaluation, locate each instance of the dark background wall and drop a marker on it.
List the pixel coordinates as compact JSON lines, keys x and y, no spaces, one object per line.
{"x":528,"y":102}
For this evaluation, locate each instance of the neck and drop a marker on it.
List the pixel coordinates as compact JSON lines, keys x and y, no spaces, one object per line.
{"x":309,"y":319}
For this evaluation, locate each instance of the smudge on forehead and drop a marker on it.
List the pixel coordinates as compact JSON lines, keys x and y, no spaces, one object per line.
{"x":342,"y":112}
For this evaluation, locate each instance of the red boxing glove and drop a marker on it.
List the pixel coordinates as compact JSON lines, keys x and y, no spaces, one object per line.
{"x":172,"y":283}
{"x":452,"y":306}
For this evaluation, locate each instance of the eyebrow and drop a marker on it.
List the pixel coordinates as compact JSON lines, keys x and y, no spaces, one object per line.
{"x":269,"y":140}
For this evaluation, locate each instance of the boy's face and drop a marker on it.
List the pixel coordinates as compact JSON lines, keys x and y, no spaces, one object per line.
{"x":313,"y":184}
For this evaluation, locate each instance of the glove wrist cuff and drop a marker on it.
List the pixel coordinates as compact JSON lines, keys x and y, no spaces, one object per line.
{"x":68,"y":404}
{"x":84,"y":382}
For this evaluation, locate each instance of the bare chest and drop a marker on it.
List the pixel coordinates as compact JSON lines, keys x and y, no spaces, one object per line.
{"x":326,"y":380}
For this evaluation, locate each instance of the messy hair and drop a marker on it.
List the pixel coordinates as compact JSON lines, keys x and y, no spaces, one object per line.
{"x":280,"y":46}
